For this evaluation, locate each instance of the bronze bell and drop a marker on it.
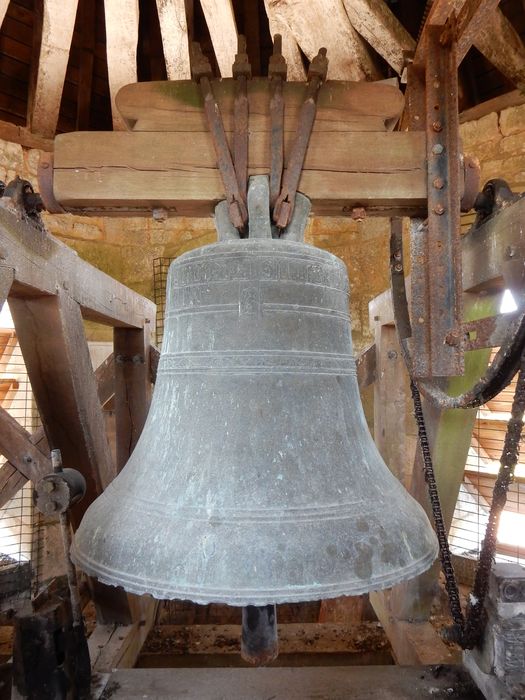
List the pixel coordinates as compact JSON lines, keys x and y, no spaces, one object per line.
{"x":255,"y":480}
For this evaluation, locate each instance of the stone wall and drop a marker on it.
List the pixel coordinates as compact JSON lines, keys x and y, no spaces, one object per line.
{"x":126,"y":247}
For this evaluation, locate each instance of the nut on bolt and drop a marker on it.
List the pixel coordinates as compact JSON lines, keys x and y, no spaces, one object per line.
{"x":439,"y":209}
{"x":453,"y":339}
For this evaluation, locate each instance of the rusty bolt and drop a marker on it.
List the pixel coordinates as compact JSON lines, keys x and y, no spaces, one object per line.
{"x":398,"y":267}
{"x":437,"y":126}
{"x":392,"y":354}
{"x":397,"y":255}
{"x":358,"y":214}
{"x":452,"y":339}
{"x":438,"y":183}
{"x":439,"y":209}
{"x":437,"y":149}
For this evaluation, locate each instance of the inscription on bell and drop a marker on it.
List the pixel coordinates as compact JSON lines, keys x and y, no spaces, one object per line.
{"x":249,"y":299}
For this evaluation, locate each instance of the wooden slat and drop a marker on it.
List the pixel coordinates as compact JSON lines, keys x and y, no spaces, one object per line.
{"x":324,"y":23}
{"x":496,"y":104}
{"x":122,"y":32}
{"x":23,"y":136}
{"x":290,"y":48}
{"x":11,"y":481}
{"x":376,"y":23}
{"x":384,"y":172}
{"x":500,"y":43}
{"x":18,"y":448}
{"x":174,"y":30}
{"x":178,"y":106}
{"x":57,"y":32}
{"x":43,"y":264}
{"x":223,"y":32}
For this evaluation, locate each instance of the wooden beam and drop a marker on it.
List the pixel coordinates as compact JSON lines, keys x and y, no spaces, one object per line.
{"x":223,"y":32}
{"x":174,"y":30}
{"x":290,"y":48}
{"x":319,"y":23}
{"x":55,"y":351}
{"x":122,"y":33}
{"x":23,"y":136}
{"x":501,"y":44}
{"x":376,"y":23}
{"x":42,"y":264}
{"x":384,"y":172}
{"x":496,"y":104}
{"x":132,"y":388}
{"x":57,"y":32}
{"x":17,"y":446}
{"x":341,"y":106}
{"x":4,"y":4}
{"x":87,"y":62}
{"x":473,"y":17}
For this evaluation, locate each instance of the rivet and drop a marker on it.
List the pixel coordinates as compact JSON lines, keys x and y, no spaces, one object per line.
{"x":439,"y":209}
{"x":421,"y":320}
{"x":438,"y":183}
{"x":398,"y":267}
{"x":437,"y":149}
{"x":392,"y":354}
{"x":437,"y":126}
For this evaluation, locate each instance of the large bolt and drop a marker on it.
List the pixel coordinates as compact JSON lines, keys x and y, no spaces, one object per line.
{"x":437,"y":126}
{"x":438,"y":183}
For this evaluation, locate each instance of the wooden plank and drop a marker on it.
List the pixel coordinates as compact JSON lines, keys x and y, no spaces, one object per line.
{"x":366,"y":365}
{"x":350,"y":683}
{"x":223,"y":32}
{"x":122,"y":33}
{"x":380,"y":171}
{"x":376,"y":23}
{"x":11,"y":481}
{"x":178,"y":105}
{"x":43,"y":264}
{"x":57,"y":32}
{"x":132,"y":388}
{"x":294,"y":638}
{"x":324,"y":23}
{"x":290,"y":48}
{"x":174,"y":31}
{"x":501,"y":44}
{"x":51,"y":336}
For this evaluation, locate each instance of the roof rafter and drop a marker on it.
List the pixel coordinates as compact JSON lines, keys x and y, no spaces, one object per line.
{"x":500,"y":43}
{"x":57,"y":33}
{"x":290,"y":49}
{"x":3,"y":9}
{"x":122,"y":33}
{"x":174,"y":30}
{"x":376,"y":23}
{"x":223,"y":31}
{"x":319,"y":23}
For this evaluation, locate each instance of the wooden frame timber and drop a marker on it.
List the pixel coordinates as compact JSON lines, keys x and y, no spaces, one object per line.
{"x":50,"y":291}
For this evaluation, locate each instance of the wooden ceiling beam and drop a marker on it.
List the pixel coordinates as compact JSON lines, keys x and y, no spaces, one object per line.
{"x":122,"y":33}
{"x":57,"y":32}
{"x":223,"y":31}
{"x":377,"y":24}
{"x":501,"y":44}
{"x":174,"y":30}
{"x":290,"y":48}
{"x":319,"y":23}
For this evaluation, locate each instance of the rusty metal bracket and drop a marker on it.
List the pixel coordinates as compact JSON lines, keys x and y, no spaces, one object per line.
{"x":284,"y":204}
{"x":436,"y":290}
{"x":202,"y":74}
{"x":277,"y":72}
{"x":242,"y":72}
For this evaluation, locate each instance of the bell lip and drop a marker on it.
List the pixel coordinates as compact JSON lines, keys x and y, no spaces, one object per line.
{"x":241,"y":598}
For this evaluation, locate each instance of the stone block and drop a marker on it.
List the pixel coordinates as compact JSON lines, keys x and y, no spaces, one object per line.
{"x":480,"y":131}
{"x":512,"y":120}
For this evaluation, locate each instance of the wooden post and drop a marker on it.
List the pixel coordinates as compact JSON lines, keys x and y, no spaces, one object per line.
{"x":132,"y":387}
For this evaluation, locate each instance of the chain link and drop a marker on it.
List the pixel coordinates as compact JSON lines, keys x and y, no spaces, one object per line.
{"x":467,"y":630}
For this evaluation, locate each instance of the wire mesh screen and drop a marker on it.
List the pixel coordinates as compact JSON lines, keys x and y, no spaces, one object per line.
{"x":475,"y":497}
{"x":17,"y":513}
{"x":160,"y":277}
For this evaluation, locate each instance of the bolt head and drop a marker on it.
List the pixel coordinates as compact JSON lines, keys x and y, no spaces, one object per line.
{"x":437,"y":126}
{"x":439,"y":209}
{"x":438,"y":183}
{"x":437,"y":149}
